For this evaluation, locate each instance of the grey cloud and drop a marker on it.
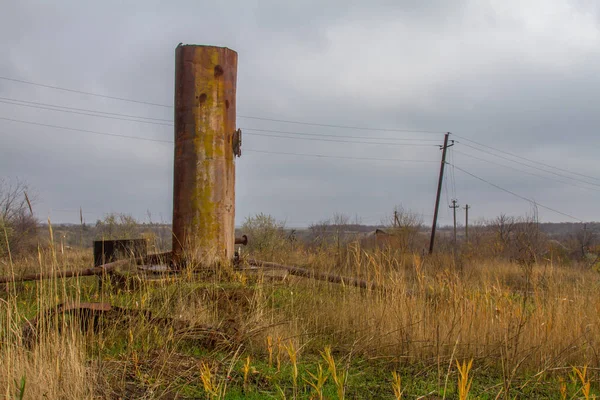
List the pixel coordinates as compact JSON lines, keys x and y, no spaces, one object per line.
{"x":520,"y":77}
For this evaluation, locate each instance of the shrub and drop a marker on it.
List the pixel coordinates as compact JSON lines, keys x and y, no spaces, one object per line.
{"x":265,"y":233}
{"x":18,"y":226}
{"x":117,"y":226}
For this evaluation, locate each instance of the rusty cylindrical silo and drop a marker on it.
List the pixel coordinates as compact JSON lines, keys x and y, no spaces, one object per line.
{"x":206,"y":142}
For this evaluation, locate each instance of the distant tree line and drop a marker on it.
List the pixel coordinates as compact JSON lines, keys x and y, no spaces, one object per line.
{"x":518,"y":238}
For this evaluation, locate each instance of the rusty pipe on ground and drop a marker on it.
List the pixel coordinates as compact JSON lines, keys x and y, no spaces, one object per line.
{"x":99,"y":270}
{"x":320,"y":276}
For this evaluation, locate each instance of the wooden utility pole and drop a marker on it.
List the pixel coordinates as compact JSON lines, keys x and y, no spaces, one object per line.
{"x":454,"y":206}
{"x":439,"y":191}
{"x":467,"y":222}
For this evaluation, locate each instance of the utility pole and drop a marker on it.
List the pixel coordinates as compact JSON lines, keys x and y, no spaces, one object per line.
{"x":439,"y":190}
{"x":467,"y":222}
{"x":584,"y":240}
{"x":454,"y":206}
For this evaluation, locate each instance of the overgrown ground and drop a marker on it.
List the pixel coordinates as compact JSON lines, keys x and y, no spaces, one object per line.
{"x":527,"y":327}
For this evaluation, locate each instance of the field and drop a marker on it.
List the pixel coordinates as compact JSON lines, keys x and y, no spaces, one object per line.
{"x":442,"y":326}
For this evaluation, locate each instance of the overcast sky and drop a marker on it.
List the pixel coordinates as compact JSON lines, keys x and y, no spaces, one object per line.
{"x":518,"y":76}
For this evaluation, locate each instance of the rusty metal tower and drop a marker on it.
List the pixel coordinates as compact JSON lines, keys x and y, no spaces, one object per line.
{"x":206,"y":143}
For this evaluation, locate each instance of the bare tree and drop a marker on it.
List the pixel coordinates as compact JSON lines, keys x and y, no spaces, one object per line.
{"x":405,"y":226}
{"x":17,"y":222}
{"x":529,"y":240}
{"x":340,"y":223}
{"x":320,"y":230}
{"x":504,"y":226}
{"x":330,"y":228}
{"x":478,"y":231}
{"x":585,"y":238}
{"x":12,"y":199}
{"x":340,"y":220}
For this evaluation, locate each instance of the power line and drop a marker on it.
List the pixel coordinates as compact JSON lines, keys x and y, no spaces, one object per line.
{"x":239,"y":116}
{"x":266,"y":119}
{"x":339,"y":126}
{"x":340,"y":157}
{"x":530,"y":166}
{"x":245,"y":150}
{"x":338,"y":136}
{"x":341,"y":141}
{"x":527,"y":159}
{"x":94,"y":113}
{"x":86,"y":110}
{"x":166,"y":122}
{"x":535,"y":203}
{"x":452,"y":174}
{"x":83,"y":113}
{"x":248,"y":133}
{"x":525,"y":172}
{"x":84,"y":92}
{"x":165,"y":141}
{"x":87,"y":131}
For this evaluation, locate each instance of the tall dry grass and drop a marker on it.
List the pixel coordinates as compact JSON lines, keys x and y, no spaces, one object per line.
{"x":57,"y":366}
{"x":507,"y":316}
{"x":513,"y":320}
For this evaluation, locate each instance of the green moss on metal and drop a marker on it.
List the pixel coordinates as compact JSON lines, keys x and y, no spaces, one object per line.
{"x":208,"y":148}
{"x":209,"y":225}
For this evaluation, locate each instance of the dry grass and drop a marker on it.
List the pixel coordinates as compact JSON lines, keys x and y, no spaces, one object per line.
{"x":514,"y":321}
{"x":56,"y":369}
{"x":540,"y":316}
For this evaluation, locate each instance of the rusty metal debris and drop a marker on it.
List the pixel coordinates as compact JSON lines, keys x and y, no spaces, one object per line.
{"x":157,"y":269}
{"x":90,"y":315}
{"x":242,"y":240}
{"x":106,"y":251}
{"x":100,"y":270}
{"x":320,"y":276}
{"x":158,"y":259}
{"x":88,"y":311}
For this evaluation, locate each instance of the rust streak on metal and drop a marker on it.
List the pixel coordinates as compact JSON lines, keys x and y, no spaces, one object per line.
{"x":320,"y":276}
{"x":204,"y":168}
{"x":102,"y":269}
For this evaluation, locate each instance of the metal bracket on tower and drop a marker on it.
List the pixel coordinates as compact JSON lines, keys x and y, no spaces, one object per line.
{"x":237,"y":143}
